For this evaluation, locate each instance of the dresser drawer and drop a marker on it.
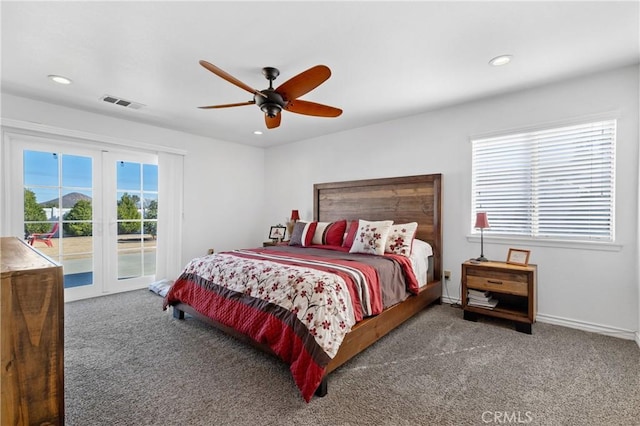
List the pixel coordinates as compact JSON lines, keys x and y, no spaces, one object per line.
{"x":503,"y":282}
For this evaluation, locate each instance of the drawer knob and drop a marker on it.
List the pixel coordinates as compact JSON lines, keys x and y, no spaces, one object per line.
{"x":494,"y":282}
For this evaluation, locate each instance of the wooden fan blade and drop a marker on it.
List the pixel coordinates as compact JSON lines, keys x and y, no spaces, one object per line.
{"x":272,"y":122}
{"x":311,"y":108}
{"x":228,"y":105}
{"x":304,"y":82}
{"x":231,"y":79}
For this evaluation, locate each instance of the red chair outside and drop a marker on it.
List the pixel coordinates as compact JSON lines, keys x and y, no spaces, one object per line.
{"x":45,"y":238}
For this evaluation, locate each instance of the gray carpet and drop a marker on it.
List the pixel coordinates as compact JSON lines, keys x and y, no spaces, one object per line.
{"x":129,"y":363}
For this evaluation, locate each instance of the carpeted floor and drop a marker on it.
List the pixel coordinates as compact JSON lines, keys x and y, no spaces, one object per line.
{"x":129,"y":363}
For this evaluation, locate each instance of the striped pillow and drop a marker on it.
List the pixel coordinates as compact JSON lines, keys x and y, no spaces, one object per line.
{"x":302,"y":233}
{"x":329,"y":233}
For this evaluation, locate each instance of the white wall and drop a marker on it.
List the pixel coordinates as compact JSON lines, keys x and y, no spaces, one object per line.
{"x":638,"y":236}
{"x":588,"y":289}
{"x":223,"y":181}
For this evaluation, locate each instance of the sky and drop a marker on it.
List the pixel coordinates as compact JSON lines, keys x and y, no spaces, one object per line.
{"x":46,"y":173}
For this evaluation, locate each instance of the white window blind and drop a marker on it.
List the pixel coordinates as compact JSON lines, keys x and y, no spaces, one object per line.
{"x":555,"y":183}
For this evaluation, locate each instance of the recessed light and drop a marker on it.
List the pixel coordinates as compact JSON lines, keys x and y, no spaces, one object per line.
{"x":257,"y":132}
{"x":500,"y":60}
{"x":60,"y":79}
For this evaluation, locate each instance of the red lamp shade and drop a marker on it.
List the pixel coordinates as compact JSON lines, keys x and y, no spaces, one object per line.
{"x":481,"y":220}
{"x":295,"y":215}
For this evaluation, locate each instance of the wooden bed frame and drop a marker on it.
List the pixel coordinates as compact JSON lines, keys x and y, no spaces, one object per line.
{"x":401,"y":199}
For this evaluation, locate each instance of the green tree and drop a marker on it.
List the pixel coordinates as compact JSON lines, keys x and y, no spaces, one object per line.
{"x":81,"y":211}
{"x":34,"y":212}
{"x":151,"y":212}
{"x":128,"y":211}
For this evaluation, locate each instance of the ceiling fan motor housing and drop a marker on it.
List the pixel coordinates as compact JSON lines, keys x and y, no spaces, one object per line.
{"x":271,"y":104}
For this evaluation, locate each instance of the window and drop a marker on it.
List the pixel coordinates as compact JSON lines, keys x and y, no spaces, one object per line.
{"x":547,"y":184}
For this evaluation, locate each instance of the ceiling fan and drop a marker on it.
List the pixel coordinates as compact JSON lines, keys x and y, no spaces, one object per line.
{"x":272,"y":101}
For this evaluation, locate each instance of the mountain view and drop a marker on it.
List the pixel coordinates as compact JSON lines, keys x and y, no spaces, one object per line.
{"x":68,"y":201}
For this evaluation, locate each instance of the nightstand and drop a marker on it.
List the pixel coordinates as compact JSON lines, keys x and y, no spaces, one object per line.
{"x":512,"y":286}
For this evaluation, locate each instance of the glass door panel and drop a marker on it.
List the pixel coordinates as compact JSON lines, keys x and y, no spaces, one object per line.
{"x":150,"y":222}
{"x":58,"y":211}
{"x":137,"y":207}
{"x":77,"y":252}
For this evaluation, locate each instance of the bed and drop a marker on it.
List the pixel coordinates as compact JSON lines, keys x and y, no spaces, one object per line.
{"x":313,"y":348}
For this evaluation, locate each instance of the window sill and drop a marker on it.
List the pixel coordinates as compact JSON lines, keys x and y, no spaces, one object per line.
{"x":578,"y":245}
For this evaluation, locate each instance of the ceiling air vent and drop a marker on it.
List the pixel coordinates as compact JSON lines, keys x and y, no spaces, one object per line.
{"x":122,"y":102}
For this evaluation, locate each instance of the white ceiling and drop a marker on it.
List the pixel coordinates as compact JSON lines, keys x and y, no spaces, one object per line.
{"x":388,"y":59}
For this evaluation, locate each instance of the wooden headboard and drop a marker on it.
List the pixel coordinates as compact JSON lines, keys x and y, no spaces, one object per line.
{"x":401,"y":199}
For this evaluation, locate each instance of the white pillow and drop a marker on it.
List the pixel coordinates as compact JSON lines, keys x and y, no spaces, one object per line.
{"x":371,"y":237}
{"x":420,"y":253}
{"x":421,"y":248}
{"x":400,"y":238}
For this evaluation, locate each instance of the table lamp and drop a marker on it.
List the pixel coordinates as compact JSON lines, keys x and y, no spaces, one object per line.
{"x":482,"y":222}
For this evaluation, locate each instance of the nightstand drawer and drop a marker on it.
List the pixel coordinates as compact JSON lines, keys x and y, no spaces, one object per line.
{"x":503,"y":282}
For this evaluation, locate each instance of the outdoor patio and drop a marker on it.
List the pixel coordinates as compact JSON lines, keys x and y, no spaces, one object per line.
{"x":76,"y":256}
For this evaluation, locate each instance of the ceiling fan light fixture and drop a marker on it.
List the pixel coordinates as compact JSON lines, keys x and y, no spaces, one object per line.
{"x":271,"y":109}
{"x":59,"y":79}
{"x":500,"y":60}
{"x":257,"y":132}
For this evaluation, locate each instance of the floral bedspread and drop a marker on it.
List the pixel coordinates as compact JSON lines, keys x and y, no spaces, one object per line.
{"x":300,"y":306}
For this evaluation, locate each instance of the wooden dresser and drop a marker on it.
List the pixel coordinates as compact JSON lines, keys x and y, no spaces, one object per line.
{"x":31,"y":328}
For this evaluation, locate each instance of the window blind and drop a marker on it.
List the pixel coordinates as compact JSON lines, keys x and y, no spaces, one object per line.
{"x":554,"y":183}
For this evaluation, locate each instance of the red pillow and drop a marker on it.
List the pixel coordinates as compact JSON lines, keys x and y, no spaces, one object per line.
{"x":351,"y":234}
{"x":307,"y":233}
{"x":335,"y":233}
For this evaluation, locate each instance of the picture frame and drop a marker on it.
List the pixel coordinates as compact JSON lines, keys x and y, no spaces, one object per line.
{"x":277,"y":233}
{"x":518,"y":257}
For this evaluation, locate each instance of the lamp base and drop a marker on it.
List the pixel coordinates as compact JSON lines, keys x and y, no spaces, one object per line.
{"x":482,"y":259}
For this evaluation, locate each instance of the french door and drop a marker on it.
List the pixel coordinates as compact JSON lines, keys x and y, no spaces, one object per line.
{"x":91,"y":210}
{"x":131,"y":209}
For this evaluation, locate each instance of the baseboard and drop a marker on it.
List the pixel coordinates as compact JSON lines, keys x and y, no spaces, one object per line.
{"x":579,"y":325}
{"x":593,"y":328}
{"x":451,"y":301}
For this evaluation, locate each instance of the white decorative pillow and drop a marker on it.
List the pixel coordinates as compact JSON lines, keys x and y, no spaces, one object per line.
{"x":371,"y":237}
{"x":400,"y":238}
